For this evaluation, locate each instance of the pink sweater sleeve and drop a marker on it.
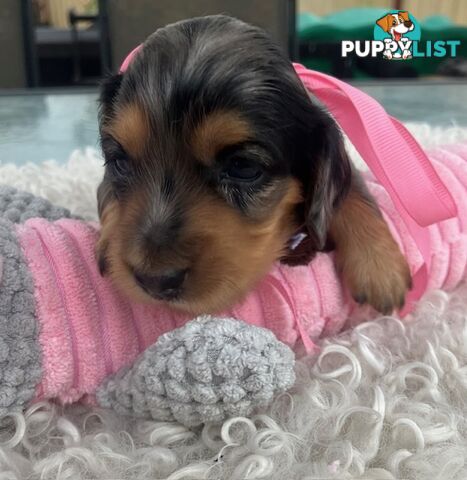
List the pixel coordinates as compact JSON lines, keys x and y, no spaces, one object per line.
{"x":88,"y":330}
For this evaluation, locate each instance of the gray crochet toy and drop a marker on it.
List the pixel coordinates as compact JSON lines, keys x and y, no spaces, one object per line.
{"x":66,"y":333}
{"x":203,"y":372}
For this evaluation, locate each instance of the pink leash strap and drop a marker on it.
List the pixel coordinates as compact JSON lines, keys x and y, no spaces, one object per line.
{"x":395,"y":158}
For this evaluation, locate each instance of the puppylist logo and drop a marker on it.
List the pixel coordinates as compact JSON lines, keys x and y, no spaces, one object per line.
{"x":397,"y":36}
{"x":398,"y":32}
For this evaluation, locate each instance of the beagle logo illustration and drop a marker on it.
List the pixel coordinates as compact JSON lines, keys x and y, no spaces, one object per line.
{"x":397,"y":36}
{"x":401,"y":31}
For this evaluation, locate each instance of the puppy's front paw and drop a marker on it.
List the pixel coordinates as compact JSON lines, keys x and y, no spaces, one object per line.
{"x":377,"y":274}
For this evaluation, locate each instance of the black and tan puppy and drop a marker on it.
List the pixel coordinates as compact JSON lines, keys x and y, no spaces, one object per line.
{"x":215,"y":157}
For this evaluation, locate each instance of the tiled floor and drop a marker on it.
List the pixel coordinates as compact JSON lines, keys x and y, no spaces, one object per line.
{"x":36,"y":127}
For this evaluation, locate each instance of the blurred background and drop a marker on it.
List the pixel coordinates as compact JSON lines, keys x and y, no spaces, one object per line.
{"x":54,"y":53}
{"x":73,"y":42}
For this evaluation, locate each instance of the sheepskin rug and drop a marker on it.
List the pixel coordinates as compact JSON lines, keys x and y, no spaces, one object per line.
{"x":386,"y":400}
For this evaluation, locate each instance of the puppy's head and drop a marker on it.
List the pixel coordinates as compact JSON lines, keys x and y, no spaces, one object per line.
{"x":396,"y":23}
{"x":215,"y":157}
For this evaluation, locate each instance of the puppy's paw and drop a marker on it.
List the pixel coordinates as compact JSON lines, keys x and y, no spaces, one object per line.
{"x":377,"y":274}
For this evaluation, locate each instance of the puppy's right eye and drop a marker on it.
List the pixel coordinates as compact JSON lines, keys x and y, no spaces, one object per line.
{"x":120,"y":165}
{"x":241,"y":170}
{"x":116,"y":159}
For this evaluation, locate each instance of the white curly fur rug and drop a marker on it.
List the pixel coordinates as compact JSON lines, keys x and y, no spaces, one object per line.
{"x":387,"y":400}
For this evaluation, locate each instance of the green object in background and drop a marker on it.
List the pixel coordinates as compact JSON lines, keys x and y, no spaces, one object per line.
{"x":91,"y":7}
{"x":359,"y":23}
{"x":350,"y":24}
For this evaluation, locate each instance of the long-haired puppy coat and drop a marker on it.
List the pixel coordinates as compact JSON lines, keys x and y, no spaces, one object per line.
{"x":216,"y":156}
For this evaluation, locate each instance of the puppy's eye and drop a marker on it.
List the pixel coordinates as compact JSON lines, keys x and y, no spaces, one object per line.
{"x":242,"y":170}
{"x":120,"y":165}
{"x":116,"y":158}
{"x":394,"y":22}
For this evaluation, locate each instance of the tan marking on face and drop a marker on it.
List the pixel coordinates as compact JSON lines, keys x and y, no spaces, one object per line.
{"x":130,"y":127}
{"x":228,"y":253}
{"x":116,"y":223}
{"x":217,"y":131}
{"x":237,"y":252}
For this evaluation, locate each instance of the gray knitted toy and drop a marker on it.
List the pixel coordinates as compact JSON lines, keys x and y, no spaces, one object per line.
{"x":66,"y":333}
{"x":203,"y":372}
{"x":17,"y":206}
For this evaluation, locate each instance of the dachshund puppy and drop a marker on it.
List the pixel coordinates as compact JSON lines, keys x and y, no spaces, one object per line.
{"x":216,"y":156}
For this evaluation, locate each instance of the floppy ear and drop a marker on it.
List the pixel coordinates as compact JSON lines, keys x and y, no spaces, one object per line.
{"x":104,"y":196}
{"x":385,"y":22}
{"x":108,"y":91}
{"x":325,"y":174}
{"x":404,"y":15}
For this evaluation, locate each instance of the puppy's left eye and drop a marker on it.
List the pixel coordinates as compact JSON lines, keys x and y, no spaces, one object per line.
{"x":120,"y":165}
{"x":116,"y":158}
{"x":242,"y":170}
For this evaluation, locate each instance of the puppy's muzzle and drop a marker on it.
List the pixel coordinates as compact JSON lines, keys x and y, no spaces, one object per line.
{"x":162,"y":287}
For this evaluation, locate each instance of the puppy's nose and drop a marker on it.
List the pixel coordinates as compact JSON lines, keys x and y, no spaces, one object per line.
{"x":408,"y":23}
{"x":162,"y":287}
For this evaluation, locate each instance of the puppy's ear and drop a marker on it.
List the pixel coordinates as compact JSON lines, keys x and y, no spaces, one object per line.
{"x":104,"y":196}
{"x":104,"y":199}
{"x":108,"y":92}
{"x":325,"y":174}
{"x":385,"y":22}
{"x":404,"y":15}
{"x":328,"y":180}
